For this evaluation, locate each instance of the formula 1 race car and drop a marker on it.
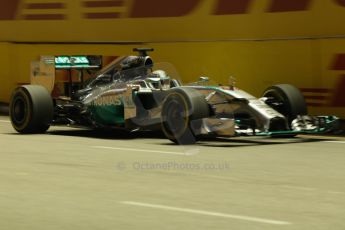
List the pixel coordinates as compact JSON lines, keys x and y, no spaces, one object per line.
{"x":129,"y":94}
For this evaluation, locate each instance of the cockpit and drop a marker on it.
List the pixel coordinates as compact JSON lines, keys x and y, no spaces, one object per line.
{"x":130,"y":70}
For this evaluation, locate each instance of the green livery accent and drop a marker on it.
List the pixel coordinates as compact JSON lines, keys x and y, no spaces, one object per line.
{"x":108,"y":114}
{"x":329,"y":123}
{"x":109,"y":110}
{"x":73,"y":62}
{"x":287,"y":132}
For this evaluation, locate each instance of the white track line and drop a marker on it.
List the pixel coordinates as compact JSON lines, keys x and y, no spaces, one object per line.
{"x":206,"y":213}
{"x":139,"y":150}
{"x":4,"y":121}
{"x":311,"y":189}
{"x":298,"y":187}
{"x":337,"y":142}
{"x":292,"y":187}
{"x":335,"y":192}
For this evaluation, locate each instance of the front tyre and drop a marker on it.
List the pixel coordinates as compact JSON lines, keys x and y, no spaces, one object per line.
{"x":181,"y":107}
{"x":287,"y":100}
{"x":31,"y":109}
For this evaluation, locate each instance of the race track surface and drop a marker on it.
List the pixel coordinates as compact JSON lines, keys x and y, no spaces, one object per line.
{"x":81,"y":179}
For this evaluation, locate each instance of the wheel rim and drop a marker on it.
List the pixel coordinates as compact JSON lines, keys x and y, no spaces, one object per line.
{"x":278,"y":102}
{"x":19,"y":110}
{"x":175,"y":117}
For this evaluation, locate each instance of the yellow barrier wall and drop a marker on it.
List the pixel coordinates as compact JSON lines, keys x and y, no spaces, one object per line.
{"x":5,"y":78}
{"x":309,"y":64}
{"x":168,"y":20}
{"x":260,"y":42}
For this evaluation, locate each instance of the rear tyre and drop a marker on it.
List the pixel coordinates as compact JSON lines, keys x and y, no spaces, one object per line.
{"x":31,"y":109}
{"x":181,"y":107}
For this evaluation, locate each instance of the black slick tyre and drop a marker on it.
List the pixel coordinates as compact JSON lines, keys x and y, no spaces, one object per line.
{"x":287,"y":100}
{"x":181,"y":107}
{"x":31,"y":109}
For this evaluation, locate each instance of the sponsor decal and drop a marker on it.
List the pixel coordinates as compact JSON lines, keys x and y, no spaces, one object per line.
{"x":321,"y":97}
{"x":317,"y":97}
{"x":226,"y":7}
{"x":116,"y":100}
{"x":8,"y":9}
{"x":103,"y":3}
{"x":94,"y":9}
{"x":159,"y":8}
{"x":289,"y":5}
{"x":113,"y":9}
{"x":37,"y":11}
{"x":340,"y":2}
{"x":339,"y":95}
{"x":107,"y":100}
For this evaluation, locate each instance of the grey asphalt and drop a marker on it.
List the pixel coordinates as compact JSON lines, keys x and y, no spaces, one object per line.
{"x":81,"y":179}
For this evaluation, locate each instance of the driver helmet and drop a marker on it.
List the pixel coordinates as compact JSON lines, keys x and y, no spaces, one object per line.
{"x":159,"y":79}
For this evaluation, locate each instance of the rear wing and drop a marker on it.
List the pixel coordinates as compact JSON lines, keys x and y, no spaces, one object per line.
{"x":55,"y":73}
{"x":78,"y":62}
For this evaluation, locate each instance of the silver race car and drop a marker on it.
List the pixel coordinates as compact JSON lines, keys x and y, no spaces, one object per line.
{"x":131,"y":94}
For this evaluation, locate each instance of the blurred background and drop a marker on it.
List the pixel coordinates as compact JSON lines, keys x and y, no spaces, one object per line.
{"x":259,"y":42}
